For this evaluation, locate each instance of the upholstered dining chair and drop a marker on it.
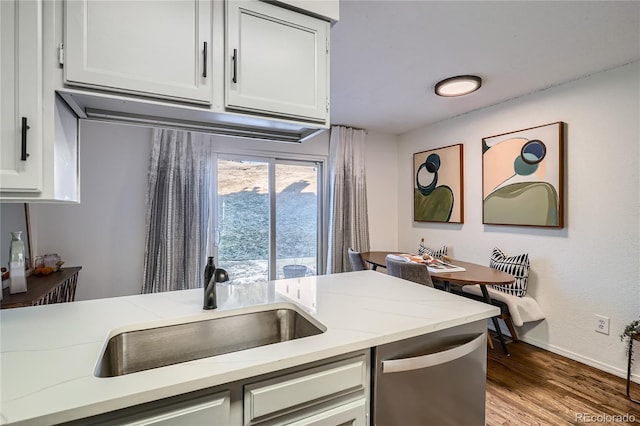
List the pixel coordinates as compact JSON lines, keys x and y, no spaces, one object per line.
{"x":357,"y":264}
{"x":411,"y":271}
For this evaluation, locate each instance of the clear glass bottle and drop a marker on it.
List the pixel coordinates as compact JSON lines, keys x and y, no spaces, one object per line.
{"x":17,"y":279}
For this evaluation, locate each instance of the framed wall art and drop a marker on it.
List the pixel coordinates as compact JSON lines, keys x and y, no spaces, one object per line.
{"x":437,"y":185}
{"x":523,"y":177}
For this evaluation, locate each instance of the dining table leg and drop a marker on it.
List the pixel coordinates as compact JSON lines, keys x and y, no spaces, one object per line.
{"x":487,"y":298}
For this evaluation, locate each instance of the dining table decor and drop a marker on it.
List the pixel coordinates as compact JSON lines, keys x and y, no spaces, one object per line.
{"x":438,"y":194}
{"x":523,"y":177}
{"x":433,"y":264}
{"x":440,"y":253}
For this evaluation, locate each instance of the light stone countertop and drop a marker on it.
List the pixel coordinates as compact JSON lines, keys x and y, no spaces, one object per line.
{"x":48,"y":353}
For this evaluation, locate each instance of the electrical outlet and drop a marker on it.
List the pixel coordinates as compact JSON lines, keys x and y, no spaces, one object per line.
{"x":602,"y":324}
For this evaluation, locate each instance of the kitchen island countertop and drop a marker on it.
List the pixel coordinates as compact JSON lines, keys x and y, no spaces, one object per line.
{"x":48,"y":353}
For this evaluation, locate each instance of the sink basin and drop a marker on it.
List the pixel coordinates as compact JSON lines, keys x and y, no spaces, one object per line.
{"x":139,"y":350}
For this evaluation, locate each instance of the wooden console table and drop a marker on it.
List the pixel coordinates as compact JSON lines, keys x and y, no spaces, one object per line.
{"x":57,"y":287}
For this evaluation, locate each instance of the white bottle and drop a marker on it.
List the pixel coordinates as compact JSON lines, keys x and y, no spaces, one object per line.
{"x":17,"y":279}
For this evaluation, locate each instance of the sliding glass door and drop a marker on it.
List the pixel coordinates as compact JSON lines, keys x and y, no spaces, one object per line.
{"x":243,"y":219}
{"x":296,"y":225}
{"x":267,"y":221}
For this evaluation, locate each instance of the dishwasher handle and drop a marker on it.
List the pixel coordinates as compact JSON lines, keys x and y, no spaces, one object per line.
{"x":430,"y":360}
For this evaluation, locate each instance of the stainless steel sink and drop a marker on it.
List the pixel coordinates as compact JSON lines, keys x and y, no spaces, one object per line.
{"x":138,"y":350}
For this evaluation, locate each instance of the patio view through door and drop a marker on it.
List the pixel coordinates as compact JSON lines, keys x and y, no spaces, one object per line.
{"x":267,"y":223}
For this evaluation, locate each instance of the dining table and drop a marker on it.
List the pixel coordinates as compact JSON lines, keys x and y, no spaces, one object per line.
{"x":473,"y":274}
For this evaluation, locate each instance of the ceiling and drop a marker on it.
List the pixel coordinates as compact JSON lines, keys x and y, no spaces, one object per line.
{"x":386,"y":56}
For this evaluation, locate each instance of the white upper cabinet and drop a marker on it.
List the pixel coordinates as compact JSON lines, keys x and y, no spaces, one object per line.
{"x":158,"y":48}
{"x":39,"y":148}
{"x":327,"y":9}
{"x":277,"y":61}
{"x":20,"y":117}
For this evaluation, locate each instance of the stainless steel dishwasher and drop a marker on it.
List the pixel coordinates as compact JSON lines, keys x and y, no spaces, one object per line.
{"x":437,"y":379}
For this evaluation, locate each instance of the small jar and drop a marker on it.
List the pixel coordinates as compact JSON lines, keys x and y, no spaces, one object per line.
{"x":51,"y":260}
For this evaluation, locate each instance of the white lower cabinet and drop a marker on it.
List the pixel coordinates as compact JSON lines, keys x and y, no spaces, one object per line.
{"x":331,"y":392}
{"x":209,"y":410}
{"x":353,"y":413}
{"x":315,"y":396}
{"x":199,"y":409}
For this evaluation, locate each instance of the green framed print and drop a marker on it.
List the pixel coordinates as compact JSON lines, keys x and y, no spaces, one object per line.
{"x":438,"y":185}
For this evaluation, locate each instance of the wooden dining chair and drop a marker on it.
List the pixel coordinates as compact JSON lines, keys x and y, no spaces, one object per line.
{"x":357,"y":264}
{"x":416,"y":272}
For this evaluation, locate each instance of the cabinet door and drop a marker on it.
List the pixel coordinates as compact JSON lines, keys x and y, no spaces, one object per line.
{"x":351,"y":414}
{"x":209,"y":410}
{"x":277,"y":61}
{"x":20,"y":105}
{"x":157,"y":48}
{"x":273,"y":397}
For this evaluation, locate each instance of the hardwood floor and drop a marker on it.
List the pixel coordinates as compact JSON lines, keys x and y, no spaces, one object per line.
{"x":537,"y":387}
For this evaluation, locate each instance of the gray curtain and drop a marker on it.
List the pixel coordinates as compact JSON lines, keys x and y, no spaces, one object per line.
{"x":178,"y":202}
{"x":348,"y":215}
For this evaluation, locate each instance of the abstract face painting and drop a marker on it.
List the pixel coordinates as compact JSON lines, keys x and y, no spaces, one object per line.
{"x":522,"y":177}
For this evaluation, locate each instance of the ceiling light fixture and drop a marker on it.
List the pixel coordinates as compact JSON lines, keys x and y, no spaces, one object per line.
{"x":458,"y":86}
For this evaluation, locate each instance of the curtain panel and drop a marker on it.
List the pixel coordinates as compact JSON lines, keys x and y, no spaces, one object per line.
{"x":178,"y":203}
{"x":348,"y":215}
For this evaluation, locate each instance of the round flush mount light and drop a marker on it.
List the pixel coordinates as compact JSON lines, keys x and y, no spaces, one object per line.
{"x":458,"y":86}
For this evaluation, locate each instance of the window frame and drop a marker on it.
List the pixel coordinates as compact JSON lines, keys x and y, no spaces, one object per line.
{"x":272,"y":159}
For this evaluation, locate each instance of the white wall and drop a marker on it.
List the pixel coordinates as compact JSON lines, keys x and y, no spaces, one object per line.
{"x":589,"y":267}
{"x":105,"y":232}
{"x":382,"y":190}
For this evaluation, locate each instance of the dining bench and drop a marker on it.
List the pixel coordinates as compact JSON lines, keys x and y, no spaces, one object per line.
{"x":516,"y":306}
{"x":514,"y":310}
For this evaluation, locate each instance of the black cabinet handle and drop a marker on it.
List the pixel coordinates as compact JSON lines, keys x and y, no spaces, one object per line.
{"x":25,"y":127}
{"x":235,"y":66}
{"x":204,"y":57}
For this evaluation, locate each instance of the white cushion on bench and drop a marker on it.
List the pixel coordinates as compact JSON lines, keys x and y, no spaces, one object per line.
{"x":522,"y":309}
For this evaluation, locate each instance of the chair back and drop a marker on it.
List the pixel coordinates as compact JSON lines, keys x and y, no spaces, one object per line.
{"x":357,"y":264}
{"x":411,"y":271}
